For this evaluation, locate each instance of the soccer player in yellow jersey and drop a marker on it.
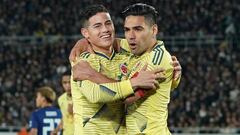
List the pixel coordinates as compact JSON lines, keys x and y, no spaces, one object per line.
{"x":97,"y":108}
{"x":66,"y":106}
{"x":149,"y":114}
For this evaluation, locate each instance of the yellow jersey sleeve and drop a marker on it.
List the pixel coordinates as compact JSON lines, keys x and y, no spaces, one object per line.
{"x":106,"y":92}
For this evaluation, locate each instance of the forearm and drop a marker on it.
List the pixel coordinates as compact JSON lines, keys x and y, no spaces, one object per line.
{"x":58,"y":128}
{"x":83,"y":71}
{"x":99,"y":78}
{"x":106,"y":92}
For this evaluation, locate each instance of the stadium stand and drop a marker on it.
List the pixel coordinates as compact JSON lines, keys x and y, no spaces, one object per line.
{"x":207,"y":96}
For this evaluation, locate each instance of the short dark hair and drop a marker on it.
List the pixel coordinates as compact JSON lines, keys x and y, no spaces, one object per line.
{"x":90,"y":11}
{"x":141,"y":9}
{"x":66,"y":73}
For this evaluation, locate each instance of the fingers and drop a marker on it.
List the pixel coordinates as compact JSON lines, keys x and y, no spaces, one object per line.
{"x":160,"y":75}
{"x":176,"y":75}
{"x":158,"y":70}
{"x":174,"y":58}
{"x":174,"y":62}
{"x":74,"y":52}
{"x":156,"y":84}
{"x":132,"y":99}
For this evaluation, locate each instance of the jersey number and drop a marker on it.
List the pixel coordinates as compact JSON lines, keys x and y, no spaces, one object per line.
{"x":50,"y":122}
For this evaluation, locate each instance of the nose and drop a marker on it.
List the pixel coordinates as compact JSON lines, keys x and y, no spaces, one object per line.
{"x":132,"y":35}
{"x":105,"y":28}
{"x":68,"y":85}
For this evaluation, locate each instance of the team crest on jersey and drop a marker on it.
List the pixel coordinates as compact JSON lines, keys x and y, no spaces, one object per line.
{"x":123,"y":69}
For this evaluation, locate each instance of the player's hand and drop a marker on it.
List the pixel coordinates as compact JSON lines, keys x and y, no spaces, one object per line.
{"x":53,"y":133}
{"x":147,"y":79}
{"x":70,"y":108}
{"x":131,"y":99}
{"x":79,"y":47}
{"x":177,"y":68}
{"x":82,"y":70}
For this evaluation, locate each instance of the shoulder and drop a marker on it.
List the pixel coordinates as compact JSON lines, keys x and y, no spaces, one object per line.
{"x":159,"y":54}
{"x":85,"y":55}
{"x":37,"y":112}
{"x":61,"y":97}
{"x":124,"y":45}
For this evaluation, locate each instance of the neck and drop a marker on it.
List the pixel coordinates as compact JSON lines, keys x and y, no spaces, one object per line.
{"x":46,"y":105}
{"x":69,"y":94}
{"x":107,"y":51}
{"x":153,"y":43}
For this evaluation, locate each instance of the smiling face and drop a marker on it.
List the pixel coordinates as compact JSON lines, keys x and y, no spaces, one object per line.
{"x":141,"y":36}
{"x":99,"y":31}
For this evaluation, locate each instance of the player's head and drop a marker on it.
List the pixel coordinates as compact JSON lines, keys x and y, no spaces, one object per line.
{"x":45,"y":96}
{"x":140,"y":27}
{"x":66,"y":82}
{"x":97,"y":27}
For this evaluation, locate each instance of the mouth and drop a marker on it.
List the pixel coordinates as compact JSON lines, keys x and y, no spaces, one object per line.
{"x":132,"y":45}
{"x":106,"y":36}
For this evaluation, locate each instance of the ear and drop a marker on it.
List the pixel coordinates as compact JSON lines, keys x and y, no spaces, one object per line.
{"x":85,"y":33}
{"x":155,"y":29}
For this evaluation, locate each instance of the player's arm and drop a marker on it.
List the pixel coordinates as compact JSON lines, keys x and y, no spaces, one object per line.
{"x":79,"y":47}
{"x":153,"y":65}
{"x":58,"y":128}
{"x":82,"y":45}
{"x":33,"y":124}
{"x":176,"y":73}
{"x":108,"y":92}
{"x":139,"y":93}
{"x":83,"y":71}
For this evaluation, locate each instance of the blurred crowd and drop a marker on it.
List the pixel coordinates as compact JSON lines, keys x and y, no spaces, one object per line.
{"x":22,"y":70}
{"x":61,"y":17}
{"x":210,"y":85}
{"x":207,"y":95}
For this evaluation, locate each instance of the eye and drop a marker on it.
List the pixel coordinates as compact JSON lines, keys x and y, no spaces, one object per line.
{"x":96,"y":26}
{"x":108,"y":23}
{"x":138,"y":28}
{"x":126,"y":29}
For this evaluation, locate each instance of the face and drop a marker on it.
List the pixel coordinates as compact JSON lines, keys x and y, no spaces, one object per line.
{"x":66,"y":83}
{"x":100,"y":31}
{"x":141,"y":36}
{"x":39,"y":100}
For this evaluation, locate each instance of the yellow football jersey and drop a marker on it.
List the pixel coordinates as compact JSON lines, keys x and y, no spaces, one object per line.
{"x":67,"y":118}
{"x":125,"y":46}
{"x":98,"y":108}
{"x":149,"y":114}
